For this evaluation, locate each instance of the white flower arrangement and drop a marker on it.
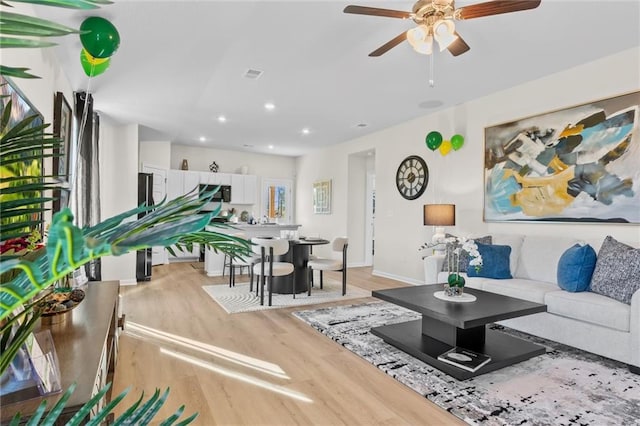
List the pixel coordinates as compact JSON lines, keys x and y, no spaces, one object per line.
{"x":454,"y":247}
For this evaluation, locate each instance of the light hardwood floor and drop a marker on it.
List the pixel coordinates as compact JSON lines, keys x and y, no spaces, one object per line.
{"x":328,"y":385}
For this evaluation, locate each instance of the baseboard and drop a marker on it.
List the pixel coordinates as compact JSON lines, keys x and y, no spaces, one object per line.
{"x":217,"y":273}
{"x":128,"y":282}
{"x":356,"y":264}
{"x":397,"y":277}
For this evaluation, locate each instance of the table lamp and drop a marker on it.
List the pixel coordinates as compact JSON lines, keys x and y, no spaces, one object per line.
{"x":439,"y":216}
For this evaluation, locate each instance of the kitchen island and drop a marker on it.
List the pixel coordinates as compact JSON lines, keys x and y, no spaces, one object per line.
{"x":214,"y":262}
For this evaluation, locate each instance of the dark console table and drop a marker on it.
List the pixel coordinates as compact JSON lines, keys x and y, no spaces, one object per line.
{"x":87,"y":348}
{"x":448,"y":324}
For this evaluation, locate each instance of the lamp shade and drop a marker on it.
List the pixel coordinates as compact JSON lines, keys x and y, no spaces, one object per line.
{"x":439,"y":214}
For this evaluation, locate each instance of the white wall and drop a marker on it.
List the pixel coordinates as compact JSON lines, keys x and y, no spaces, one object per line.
{"x":118,"y":188}
{"x":155,"y":153}
{"x":199,"y":158}
{"x":458,"y":177}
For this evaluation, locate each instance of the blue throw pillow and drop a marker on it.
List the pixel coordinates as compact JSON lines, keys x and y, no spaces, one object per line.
{"x":495,"y":262}
{"x":575,"y":268}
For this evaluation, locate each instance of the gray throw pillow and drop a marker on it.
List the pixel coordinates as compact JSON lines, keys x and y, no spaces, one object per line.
{"x":464,"y":256}
{"x":617,"y":273}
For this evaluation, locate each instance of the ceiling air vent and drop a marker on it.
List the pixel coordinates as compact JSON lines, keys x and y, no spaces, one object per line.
{"x":252,"y":74}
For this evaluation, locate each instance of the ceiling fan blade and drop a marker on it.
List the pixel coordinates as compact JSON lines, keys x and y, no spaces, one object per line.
{"x":389,"y":45}
{"x":459,"y":46}
{"x":374,"y":11}
{"x":495,"y":8}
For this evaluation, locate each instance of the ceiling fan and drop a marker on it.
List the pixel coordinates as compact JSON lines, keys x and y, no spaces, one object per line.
{"x":435,"y":21}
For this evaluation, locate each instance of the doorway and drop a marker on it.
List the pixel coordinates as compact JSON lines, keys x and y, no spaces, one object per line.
{"x":361,"y":208}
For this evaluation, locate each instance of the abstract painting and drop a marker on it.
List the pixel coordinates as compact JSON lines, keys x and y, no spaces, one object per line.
{"x":27,"y":168}
{"x":580,"y":164}
{"x":322,"y":197}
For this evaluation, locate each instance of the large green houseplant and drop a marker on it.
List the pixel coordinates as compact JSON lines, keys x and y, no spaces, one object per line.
{"x":23,"y":278}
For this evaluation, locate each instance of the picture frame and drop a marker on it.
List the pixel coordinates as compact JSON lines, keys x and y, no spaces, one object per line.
{"x":62,"y":120}
{"x":322,"y":197}
{"x":579,"y":165}
{"x":31,"y":166}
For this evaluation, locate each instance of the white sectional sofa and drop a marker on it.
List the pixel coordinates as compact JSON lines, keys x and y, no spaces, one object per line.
{"x":585,"y":320}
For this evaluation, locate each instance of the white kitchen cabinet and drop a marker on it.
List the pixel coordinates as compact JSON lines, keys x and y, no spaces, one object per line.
{"x":237,"y":189}
{"x":243,"y":189}
{"x":250,"y":189}
{"x":175,"y":184}
{"x":191,"y":181}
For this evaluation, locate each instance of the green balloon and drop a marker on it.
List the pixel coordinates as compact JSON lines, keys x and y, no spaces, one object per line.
{"x":99,"y":37}
{"x":434,"y":139}
{"x":456,"y":142}
{"x":92,"y":67}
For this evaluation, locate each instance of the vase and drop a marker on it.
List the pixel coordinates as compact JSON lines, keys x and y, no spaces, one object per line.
{"x":185,"y":165}
{"x":455,"y":285}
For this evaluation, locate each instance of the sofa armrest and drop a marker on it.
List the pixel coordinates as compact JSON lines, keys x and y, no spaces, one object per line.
{"x":432,"y":267}
{"x":634,"y":328}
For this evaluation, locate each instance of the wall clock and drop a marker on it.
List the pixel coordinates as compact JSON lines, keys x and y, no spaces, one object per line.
{"x":412,"y":177}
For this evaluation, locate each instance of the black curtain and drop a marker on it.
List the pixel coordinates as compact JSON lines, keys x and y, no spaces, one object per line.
{"x":85,"y":198}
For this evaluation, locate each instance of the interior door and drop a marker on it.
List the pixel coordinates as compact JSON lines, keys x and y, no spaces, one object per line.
{"x":159,"y":255}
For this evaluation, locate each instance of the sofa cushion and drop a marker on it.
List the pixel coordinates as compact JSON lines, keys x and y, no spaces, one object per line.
{"x":617,"y":272}
{"x":589,"y":307}
{"x":495,"y":262}
{"x":515,"y":242}
{"x":463,"y":259}
{"x":575,"y":268}
{"x":533,"y":291}
{"x":539,"y":257}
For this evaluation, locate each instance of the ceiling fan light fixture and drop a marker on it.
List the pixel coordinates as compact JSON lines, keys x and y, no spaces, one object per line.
{"x":444,"y":33}
{"x":425,"y":47}
{"x":417,"y":34}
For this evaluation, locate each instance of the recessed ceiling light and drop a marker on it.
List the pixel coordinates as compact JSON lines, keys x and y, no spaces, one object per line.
{"x":269,"y":106}
{"x":306,"y":131}
{"x":270,"y":146}
{"x":202,"y":139}
{"x":222,"y":119}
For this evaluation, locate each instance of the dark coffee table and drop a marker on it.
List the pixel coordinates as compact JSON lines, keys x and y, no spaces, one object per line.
{"x":448,"y":324}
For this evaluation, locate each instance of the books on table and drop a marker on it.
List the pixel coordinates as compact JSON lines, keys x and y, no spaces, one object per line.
{"x":464,"y":358}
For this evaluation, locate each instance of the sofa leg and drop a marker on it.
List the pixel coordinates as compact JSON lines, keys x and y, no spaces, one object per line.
{"x":634,"y":369}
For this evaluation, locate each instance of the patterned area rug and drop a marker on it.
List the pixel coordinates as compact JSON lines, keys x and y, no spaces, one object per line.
{"x":565,"y":386}
{"x":239,"y":299}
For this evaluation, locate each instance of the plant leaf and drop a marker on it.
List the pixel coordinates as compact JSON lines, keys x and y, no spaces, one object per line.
{"x":17,"y":72}
{"x":24,"y":25}
{"x":69,"y":4}
{"x":10,"y":42}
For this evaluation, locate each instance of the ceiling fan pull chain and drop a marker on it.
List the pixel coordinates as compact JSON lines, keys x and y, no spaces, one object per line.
{"x":431,"y":76}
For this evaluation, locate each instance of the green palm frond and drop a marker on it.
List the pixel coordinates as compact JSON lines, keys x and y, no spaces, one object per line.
{"x":17,"y":72}
{"x":134,"y":415}
{"x":21,"y":193}
{"x":8,"y":42}
{"x":69,"y":4}
{"x":69,"y":247}
{"x":24,"y":25}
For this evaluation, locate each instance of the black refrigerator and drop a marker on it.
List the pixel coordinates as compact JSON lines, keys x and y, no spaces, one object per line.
{"x":145,"y":196}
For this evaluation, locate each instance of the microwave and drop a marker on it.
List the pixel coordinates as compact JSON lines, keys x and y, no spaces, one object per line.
{"x":222,"y":194}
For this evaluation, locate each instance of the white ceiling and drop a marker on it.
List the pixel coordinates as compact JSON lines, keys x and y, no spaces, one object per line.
{"x":181,"y":64}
